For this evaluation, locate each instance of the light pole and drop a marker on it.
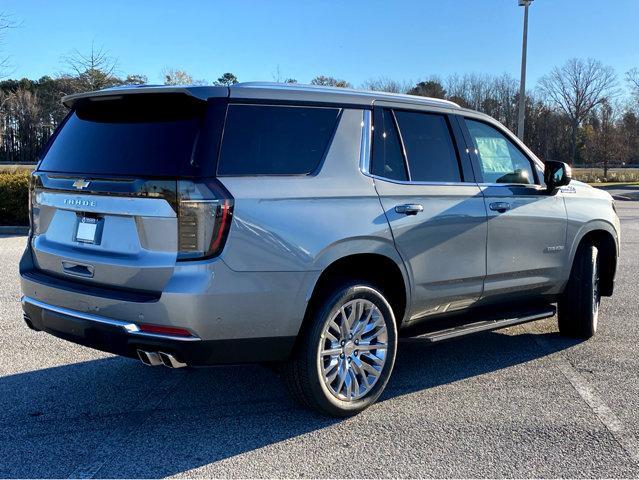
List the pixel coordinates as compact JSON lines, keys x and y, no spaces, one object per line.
{"x":522,"y":83}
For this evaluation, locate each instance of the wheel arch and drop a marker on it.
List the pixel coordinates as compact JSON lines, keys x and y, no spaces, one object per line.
{"x":605,"y":238}
{"x":384,"y":270}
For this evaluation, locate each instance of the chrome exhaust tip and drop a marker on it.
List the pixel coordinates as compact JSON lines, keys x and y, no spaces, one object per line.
{"x":170,"y":361}
{"x":152,"y":359}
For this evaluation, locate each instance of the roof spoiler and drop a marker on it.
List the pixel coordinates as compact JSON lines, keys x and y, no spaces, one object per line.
{"x":200,"y":93}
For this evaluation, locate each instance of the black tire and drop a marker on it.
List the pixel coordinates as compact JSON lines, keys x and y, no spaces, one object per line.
{"x":578,"y":306}
{"x":302,"y":373}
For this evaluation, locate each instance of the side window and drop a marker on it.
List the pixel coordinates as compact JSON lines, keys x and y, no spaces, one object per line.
{"x":500,"y":160}
{"x":388,"y":160}
{"x":275,"y":140}
{"x":429,"y":147}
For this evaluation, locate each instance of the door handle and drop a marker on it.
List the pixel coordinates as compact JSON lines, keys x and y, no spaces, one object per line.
{"x":500,"y":207}
{"x":409,"y":209}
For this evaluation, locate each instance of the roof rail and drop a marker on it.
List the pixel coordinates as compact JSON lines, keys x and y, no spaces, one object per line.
{"x":342,"y":90}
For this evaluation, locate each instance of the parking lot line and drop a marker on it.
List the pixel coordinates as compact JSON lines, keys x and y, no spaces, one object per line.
{"x":626,"y":440}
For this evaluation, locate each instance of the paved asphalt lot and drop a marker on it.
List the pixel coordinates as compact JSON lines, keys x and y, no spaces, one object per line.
{"x":520,"y":402}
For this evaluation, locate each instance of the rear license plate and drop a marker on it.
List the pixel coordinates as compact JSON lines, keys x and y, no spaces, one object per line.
{"x":87,"y":230}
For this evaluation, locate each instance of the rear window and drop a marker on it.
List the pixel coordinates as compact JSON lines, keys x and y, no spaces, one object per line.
{"x":275,"y":140}
{"x":140,"y":134}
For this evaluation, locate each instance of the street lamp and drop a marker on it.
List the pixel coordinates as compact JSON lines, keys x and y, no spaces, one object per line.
{"x":522,"y":83}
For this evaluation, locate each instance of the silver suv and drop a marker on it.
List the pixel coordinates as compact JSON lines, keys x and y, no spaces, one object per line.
{"x":301,"y":226}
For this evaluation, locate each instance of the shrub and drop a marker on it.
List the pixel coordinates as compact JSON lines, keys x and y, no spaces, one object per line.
{"x":14,"y":198}
{"x":13,"y":168}
{"x":595,"y":175}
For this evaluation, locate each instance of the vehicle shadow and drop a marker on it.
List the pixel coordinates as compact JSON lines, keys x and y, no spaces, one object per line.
{"x":113,"y":417}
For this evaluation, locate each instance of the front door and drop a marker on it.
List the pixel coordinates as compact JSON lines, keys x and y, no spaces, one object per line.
{"x":435,"y":209}
{"x":526,"y":225}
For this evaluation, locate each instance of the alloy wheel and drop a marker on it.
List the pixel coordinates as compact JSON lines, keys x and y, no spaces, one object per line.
{"x":353,"y":349}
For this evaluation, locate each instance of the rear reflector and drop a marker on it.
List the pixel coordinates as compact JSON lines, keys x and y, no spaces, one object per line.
{"x":177,"y":332}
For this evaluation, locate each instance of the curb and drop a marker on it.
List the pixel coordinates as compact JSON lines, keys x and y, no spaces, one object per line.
{"x":13,"y":230}
{"x":622,"y":197}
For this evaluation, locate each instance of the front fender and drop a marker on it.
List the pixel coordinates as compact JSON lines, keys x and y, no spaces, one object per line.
{"x":580,"y":231}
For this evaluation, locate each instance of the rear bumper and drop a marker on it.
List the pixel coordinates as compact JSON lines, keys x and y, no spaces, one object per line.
{"x":207,"y":298}
{"x":125,"y":338}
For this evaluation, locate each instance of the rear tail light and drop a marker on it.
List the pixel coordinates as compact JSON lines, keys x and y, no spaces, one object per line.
{"x":204,"y":219}
{"x":34,"y":207}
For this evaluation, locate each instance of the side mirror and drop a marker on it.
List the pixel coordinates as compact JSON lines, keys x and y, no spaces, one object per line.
{"x":557,"y":174}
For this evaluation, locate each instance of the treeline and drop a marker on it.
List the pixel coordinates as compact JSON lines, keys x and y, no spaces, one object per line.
{"x":577,"y":113}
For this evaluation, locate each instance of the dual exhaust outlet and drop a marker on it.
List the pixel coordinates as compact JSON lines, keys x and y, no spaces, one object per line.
{"x":153,"y":359}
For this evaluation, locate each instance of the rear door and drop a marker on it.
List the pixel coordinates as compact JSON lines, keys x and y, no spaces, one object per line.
{"x":105,"y":192}
{"x":526,"y":225}
{"x":433,"y":205}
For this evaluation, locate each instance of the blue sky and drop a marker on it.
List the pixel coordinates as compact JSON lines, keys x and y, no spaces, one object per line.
{"x":354,"y":40}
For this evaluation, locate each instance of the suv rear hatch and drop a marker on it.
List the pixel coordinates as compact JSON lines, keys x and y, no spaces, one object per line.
{"x":125,"y":189}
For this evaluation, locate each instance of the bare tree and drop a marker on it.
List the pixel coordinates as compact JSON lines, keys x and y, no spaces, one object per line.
{"x":24,"y":110}
{"x":576,"y":88}
{"x":94,"y":70}
{"x":506,"y":93}
{"x":632,"y":77}
{"x":278,"y":77}
{"x":606,"y":145}
{"x":173,"y":76}
{"x":328,"y":81}
{"x":470,"y":90}
{"x":5,"y":24}
{"x":5,"y":119}
{"x":385,"y":84}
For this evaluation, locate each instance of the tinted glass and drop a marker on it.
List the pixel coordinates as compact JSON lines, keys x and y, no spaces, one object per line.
{"x":429,"y":147}
{"x":500,"y":160}
{"x":275,"y":140}
{"x":388,"y":159}
{"x":138,"y":135}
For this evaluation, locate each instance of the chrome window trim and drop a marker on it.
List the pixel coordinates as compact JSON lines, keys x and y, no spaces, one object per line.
{"x":535,"y":186}
{"x":444,"y":184}
{"x":530,"y":186}
{"x":365,"y":143}
{"x":128,"y":327}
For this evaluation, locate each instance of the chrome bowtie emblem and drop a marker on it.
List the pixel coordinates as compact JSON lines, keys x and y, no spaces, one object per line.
{"x":81,"y":183}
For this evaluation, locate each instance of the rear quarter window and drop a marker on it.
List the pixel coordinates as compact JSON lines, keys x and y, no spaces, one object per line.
{"x":275,"y":140}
